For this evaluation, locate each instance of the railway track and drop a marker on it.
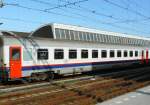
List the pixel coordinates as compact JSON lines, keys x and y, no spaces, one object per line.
{"x":76,"y":92}
{"x":18,"y":85}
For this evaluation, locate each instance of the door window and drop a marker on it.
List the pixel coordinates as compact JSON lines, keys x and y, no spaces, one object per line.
{"x":15,"y":54}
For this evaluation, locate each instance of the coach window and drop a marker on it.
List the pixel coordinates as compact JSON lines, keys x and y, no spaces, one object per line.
{"x":97,"y":37}
{"x":67,"y":34}
{"x":131,"y":53}
{"x":42,"y":54}
{"x":84,"y":53}
{"x":104,"y":53}
{"x":102,"y":39}
{"x":119,"y":53}
{"x":72,"y":54}
{"x":84,"y":36}
{"x":112,"y":53}
{"x":15,"y":54}
{"x":106,"y":38}
{"x":59,"y":54}
{"x":136,"y":54}
{"x":80,"y":35}
{"x":72,"y":34}
{"x":88,"y":36}
{"x":125,"y":53}
{"x":27,"y":54}
{"x":110,"y":39}
{"x":91,"y":35}
{"x":115,"y":39}
{"x":57,"y":33}
{"x":94,"y":53}
{"x":76,"y":35}
{"x":62,"y":33}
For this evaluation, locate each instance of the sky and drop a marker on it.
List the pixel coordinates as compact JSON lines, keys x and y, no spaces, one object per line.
{"x":124,"y":16}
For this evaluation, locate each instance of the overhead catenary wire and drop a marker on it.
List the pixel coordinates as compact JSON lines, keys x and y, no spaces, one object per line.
{"x":42,"y":2}
{"x":118,"y":20}
{"x":95,"y":20}
{"x":134,"y":2}
{"x":21,"y":20}
{"x":39,"y":10}
{"x":73,"y":4}
{"x":127,"y":9}
{"x":67,"y":4}
{"x":85,"y":9}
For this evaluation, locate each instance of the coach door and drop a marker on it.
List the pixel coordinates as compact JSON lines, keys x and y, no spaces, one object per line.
{"x":15,"y":62}
{"x":142,"y":59}
{"x":147,"y":56}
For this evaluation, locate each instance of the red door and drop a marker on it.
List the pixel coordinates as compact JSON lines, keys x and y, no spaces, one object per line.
{"x":147,"y":56}
{"x":142,"y":60}
{"x":15,"y":62}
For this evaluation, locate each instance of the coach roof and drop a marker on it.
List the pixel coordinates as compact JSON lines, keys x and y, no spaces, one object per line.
{"x":71,"y":32}
{"x":50,"y":28}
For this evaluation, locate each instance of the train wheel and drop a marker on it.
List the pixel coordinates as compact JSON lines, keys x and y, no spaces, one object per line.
{"x":50,"y":76}
{"x":27,"y":80}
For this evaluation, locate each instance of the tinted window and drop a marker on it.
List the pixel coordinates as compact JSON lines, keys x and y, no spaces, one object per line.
{"x":125,"y":53}
{"x":72,"y":54}
{"x":80,"y":35}
{"x":104,"y":53}
{"x":84,"y":53}
{"x":62,"y":33}
{"x":112,"y":53}
{"x":136,"y":54}
{"x":42,"y":54}
{"x":94,"y":53}
{"x":131,"y":53}
{"x":92,"y":37}
{"x":95,"y":38}
{"x":67,"y":34}
{"x":45,"y":32}
{"x":119,"y":53}
{"x":59,"y":54}
{"x":72,"y":34}
{"x":57,"y":33}
{"x":15,"y":54}
{"x":76,"y":35}
{"x":98,"y":37}
{"x":84,"y":35}
{"x":88,"y":36}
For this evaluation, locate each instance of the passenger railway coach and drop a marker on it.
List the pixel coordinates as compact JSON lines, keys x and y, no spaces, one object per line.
{"x":66,"y":49}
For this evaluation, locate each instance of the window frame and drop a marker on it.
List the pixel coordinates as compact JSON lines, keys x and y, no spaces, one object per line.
{"x":96,"y":53}
{"x":111,"y":51}
{"x":103,"y":53}
{"x":125,"y":53}
{"x":69,"y":53}
{"x":136,"y":53}
{"x":119,"y":53}
{"x":58,"y":51}
{"x":83,"y":56}
{"x":131,"y":53}
{"x":39,"y":57}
